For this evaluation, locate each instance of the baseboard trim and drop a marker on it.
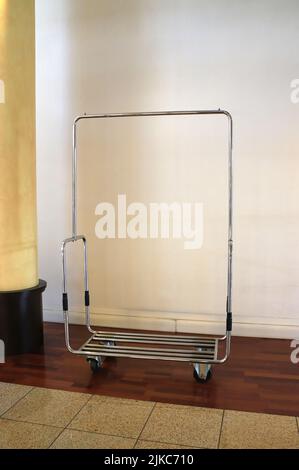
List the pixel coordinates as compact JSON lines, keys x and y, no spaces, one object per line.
{"x":206,"y":324}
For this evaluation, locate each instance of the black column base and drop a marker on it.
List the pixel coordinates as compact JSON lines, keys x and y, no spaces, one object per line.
{"x":21,"y":320}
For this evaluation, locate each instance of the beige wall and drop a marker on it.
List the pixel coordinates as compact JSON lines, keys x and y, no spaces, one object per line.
{"x":103,"y":56}
{"x":18,"y":255}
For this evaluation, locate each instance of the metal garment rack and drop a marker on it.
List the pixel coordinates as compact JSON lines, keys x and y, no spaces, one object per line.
{"x":200,"y":351}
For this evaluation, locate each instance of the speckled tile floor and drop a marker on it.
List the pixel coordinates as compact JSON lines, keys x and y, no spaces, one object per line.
{"x":32,"y":417}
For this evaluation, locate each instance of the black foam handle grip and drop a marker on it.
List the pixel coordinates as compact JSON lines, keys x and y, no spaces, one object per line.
{"x":87,"y":298}
{"x":229,"y":321}
{"x":65,"y":303}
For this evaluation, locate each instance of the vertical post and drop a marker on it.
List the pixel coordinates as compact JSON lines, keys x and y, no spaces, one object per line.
{"x":74,"y":182}
{"x":230,"y":226}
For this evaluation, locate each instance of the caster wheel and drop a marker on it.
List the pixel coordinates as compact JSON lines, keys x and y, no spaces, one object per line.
{"x":199,"y":379}
{"x":95,"y":364}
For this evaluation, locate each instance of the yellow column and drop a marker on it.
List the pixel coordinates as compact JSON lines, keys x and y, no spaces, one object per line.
{"x":18,"y":245}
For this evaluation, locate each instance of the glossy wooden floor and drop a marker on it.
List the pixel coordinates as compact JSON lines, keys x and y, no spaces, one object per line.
{"x":259,"y":375}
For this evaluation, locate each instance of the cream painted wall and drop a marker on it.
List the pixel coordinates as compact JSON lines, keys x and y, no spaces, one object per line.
{"x":111,"y":56}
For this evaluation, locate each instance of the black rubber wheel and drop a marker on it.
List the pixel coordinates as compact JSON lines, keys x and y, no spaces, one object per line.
{"x":199,"y":380}
{"x":94,"y":364}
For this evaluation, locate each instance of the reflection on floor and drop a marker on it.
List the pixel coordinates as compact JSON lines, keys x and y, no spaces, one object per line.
{"x":33,"y":417}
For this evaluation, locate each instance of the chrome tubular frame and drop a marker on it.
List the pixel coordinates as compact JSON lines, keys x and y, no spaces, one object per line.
{"x":103,"y":343}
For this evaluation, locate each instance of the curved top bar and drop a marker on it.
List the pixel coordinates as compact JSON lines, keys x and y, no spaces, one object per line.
{"x":153,"y":114}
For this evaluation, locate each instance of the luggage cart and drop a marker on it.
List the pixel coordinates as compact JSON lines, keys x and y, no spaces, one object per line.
{"x":200,"y":351}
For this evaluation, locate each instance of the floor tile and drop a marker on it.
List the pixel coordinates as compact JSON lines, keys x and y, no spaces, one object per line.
{"x":45,"y":406}
{"x":242,"y":430}
{"x":119,"y":417}
{"x":10,"y":394}
{"x":184,"y":425}
{"x":158,"y":445}
{"x":19,"y":435}
{"x":72,"y":439}
{"x":123,"y":401}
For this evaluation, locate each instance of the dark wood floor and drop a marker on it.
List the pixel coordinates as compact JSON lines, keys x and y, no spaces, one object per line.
{"x":259,"y":375}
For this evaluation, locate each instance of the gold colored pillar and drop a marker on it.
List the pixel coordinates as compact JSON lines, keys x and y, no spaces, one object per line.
{"x":18,"y":241}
